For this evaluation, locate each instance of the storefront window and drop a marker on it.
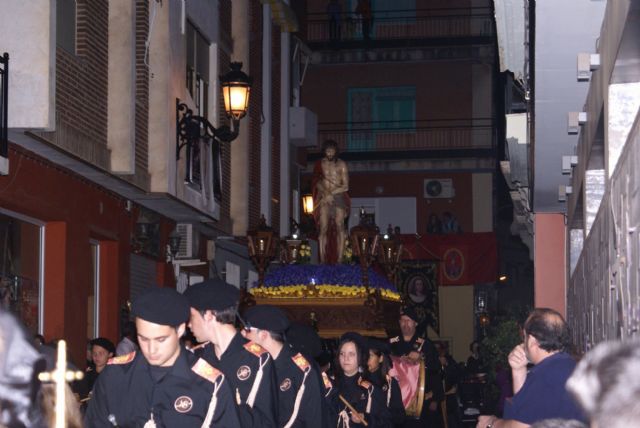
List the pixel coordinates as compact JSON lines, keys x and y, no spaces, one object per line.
{"x":20,"y":287}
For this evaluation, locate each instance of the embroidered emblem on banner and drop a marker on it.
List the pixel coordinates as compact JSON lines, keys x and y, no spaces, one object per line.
{"x":453,"y":261}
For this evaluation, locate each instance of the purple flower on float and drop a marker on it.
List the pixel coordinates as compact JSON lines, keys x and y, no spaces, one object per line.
{"x":343,"y":275}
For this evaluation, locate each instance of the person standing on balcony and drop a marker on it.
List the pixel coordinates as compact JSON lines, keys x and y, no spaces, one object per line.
{"x":363,"y":9}
{"x":334,"y":12}
{"x":331,"y":202}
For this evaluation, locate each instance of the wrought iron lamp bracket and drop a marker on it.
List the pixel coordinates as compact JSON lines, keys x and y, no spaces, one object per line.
{"x":189,"y":129}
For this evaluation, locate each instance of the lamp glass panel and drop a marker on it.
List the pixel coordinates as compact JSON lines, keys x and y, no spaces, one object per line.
{"x":236,"y":99}
{"x":307,"y":204}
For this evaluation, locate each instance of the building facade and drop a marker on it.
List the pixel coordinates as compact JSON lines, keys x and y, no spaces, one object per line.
{"x":97,"y":181}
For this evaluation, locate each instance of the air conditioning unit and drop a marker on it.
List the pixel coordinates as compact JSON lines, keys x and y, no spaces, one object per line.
{"x":439,"y":188}
{"x":188,"y":245}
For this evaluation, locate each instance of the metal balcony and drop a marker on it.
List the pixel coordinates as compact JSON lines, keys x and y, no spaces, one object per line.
{"x":398,"y":139}
{"x":422,"y":27}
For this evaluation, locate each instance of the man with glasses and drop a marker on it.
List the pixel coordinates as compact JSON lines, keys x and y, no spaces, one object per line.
{"x":246,"y":365}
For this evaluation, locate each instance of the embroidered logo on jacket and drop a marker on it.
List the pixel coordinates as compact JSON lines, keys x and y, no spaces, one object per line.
{"x":183,"y":404}
{"x":243,"y":372}
{"x":285,"y":385}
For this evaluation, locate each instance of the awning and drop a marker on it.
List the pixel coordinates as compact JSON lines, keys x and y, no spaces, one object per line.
{"x":283,"y":15}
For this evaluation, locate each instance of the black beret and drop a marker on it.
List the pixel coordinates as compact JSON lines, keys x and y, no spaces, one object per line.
{"x":379,"y":345}
{"x":212,"y":294}
{"x":104,"y":343}
{"x":163,"y":306}
{"x":361,"y":342}
{"x":303,"y":338}
{"x":266,"y":317}
{"x":410,"y":312}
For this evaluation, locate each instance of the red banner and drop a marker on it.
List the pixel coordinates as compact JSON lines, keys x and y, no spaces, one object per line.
{"x":463,"y":259}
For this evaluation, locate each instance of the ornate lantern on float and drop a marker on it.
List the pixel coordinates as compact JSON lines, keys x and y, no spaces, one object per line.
{"x":262,"y":247}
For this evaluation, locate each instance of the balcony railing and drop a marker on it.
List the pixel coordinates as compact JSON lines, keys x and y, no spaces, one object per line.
{"x":404,"y":25}
{"x":446,"y":134}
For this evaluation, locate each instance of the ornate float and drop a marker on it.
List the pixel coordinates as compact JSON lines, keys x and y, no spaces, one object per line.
{"x":332,"y":298}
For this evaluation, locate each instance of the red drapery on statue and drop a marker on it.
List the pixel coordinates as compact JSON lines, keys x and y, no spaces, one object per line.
{"x":463,"y":259}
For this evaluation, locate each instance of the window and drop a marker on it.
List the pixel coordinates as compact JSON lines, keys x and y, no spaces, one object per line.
{"x":198,"y":68}
{"x":373,"y":111}
{"x":66,"y":25}
{"x":20,"y":269}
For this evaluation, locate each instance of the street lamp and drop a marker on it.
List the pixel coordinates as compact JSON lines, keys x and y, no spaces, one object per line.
{"x":236,"y":86}
{"x":262,"y":247}
{"x":192,"y":129}
{"x":364,"y":241}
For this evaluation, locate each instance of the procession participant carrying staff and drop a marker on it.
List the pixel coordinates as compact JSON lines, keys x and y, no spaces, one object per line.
{"x":357,"y":401}
{"x":247,"y":366}
{"x":163,"y":385}
{"x":300,"y":392}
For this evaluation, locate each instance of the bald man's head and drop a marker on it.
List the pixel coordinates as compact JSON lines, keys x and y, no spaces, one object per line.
{"x":549,"y":329}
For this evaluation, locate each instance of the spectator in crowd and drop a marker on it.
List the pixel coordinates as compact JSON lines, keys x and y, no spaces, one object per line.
{"x":101,"y":350}
{"x":128,"y":343}
{"x":434,"y":225}
{"x":450,"y":223}
{"x":606,"y":383}
{"x":475,"y":364}
{"x":540,"y":393}
{"x":451,"y":377}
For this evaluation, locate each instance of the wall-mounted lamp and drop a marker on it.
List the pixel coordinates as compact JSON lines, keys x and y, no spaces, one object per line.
{"x":192,"y":129}
{"x":307,"y":204}
{"x":146,"y":234}
{"x":173,"y":246}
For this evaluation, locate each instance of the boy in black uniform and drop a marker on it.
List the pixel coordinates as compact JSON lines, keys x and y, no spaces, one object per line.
{"x":247,"y":366}
{"x":300,"y":395}
{"x":164,"y":385}
{"x":411,"y":345}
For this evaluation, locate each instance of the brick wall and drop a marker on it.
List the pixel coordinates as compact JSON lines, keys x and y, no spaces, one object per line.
{"x":142,"y":95}
{"x":275,"y":123}
{"x":255,"y":111}
{"x":224,"y":60}
{"x":81,"y":87}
